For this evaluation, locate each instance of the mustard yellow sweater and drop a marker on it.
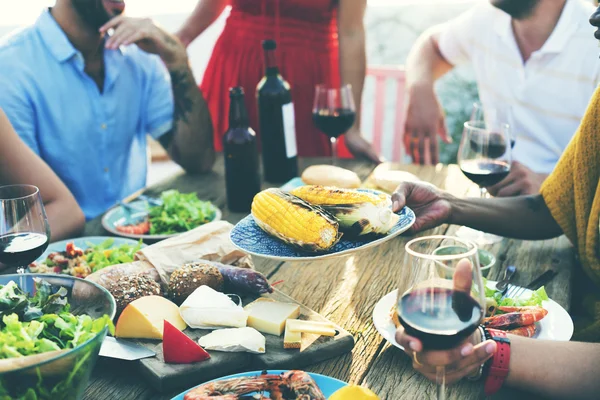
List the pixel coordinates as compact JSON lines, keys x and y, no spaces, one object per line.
{"x":572,"y":193}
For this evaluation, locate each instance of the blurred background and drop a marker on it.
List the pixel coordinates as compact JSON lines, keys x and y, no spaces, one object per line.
{"x":392,"y":27}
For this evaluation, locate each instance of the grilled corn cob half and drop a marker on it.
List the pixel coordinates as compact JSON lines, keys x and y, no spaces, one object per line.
{"x":294,"y":221}
{"x":358,"y":212}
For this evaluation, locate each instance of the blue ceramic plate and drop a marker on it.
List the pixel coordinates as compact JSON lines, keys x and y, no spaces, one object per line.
{"x":118,"y":216}
{"x":327,"y":385}
{"x":248,"y":237}
{"x":82,"y":243}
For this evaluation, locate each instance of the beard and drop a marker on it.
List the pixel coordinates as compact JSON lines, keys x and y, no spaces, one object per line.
{"x":92,"y":12}
{"x":517,"y":9}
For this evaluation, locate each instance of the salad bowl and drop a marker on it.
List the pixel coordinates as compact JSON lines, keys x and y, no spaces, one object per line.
{"x":61,"y":373}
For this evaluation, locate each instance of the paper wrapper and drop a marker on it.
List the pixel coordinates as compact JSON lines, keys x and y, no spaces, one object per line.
{"x":207,"y":242}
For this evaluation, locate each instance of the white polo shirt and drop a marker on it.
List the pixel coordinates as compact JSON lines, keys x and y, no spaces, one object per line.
{"x":548,"y":94}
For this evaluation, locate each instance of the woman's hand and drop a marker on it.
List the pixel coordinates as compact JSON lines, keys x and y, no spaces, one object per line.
{"x":432,"y":206}
{"x":360,"y":148}
{"x":462,"y":361}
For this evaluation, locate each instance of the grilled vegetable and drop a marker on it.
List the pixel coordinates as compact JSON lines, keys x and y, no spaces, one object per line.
{"x":294,"y":221}
{"x":358,"y":212}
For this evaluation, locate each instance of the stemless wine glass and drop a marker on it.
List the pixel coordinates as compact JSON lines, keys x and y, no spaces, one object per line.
{"x":24,"y":229}
{"x":485,"y":157}
{"x":441,"y":299}
{"x":334,"y":113}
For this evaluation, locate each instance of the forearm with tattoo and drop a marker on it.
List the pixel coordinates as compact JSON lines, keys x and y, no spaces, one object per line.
{"x":190,"y":142}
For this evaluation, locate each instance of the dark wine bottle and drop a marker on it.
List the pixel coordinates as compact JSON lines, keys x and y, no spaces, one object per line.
{"x":242,"y":179}
{"x":276,"y":121}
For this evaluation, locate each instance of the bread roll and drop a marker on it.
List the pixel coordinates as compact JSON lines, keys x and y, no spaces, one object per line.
{"x":329,"y":175}
{"x":388,"y":180}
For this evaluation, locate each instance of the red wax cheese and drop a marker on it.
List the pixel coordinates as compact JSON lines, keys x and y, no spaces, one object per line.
{"x":180,"y":349}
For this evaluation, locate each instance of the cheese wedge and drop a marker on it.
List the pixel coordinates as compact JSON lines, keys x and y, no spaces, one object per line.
{"x":206,"y":308}
{"x":234,"y":340}
{"x":269,"y":316}
{"x":291,"y":339}
{"x":318,"y":328}
{"x":144,"y":318}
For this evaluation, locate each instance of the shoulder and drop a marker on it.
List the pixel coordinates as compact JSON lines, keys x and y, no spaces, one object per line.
{"x":20,"y":52}
{"x":481,"y":15}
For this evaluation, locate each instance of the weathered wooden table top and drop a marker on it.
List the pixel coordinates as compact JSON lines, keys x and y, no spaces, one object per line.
{"x":346,"y":290}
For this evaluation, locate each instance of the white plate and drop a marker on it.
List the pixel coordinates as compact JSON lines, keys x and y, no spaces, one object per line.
{"x":557,"y":325}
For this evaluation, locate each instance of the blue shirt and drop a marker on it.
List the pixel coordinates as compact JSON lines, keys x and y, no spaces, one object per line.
{"x":95,"y":141}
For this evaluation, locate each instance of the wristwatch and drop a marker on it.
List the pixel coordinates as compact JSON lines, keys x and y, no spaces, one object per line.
{"x":497,"y":370}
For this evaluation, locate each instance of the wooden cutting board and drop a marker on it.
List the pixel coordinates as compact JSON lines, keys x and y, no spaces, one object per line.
{"x":168,"y":377}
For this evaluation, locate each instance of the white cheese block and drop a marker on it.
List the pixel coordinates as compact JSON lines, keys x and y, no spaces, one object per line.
{"x":318,"y":328}
{"x":269,"y":316}
{"x":206,"y":308}
{"x":291,"y":339}
{"x":234,"y":340}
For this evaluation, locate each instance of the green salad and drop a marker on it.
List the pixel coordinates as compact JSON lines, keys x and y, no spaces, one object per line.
{"x":104,"y":254}
{"x":32,"y":325}
{"x":179,"y":212}
{"x":494,"y":299}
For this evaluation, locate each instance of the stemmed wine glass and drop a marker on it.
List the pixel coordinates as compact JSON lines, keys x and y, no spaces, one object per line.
{"x":485,"y":157}
{"x":441,"y":299}
{"x":495,"y":117}
{"x":24,"y":229}
{"x":334,"y":113}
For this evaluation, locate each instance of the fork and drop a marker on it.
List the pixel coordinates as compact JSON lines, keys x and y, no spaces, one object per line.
{"x":515,"y":291}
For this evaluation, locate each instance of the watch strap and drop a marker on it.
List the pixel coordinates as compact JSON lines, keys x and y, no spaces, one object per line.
{"x":498,"y":368}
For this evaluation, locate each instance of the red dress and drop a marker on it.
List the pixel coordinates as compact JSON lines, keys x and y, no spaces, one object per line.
{"x":307,"y":53}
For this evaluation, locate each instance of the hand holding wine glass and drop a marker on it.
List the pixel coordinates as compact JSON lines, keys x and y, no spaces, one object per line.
{"x":334,"y":113}
{"x":440,"y":306}
{"x":24,"y":229}
{"x":485,"y":157}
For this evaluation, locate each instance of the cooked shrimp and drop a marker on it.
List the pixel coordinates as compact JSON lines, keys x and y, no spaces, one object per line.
{"x":527,"y":330}
{"x":516,"y":317}
{"x":292,"y":384}
{"x":138,"y":229}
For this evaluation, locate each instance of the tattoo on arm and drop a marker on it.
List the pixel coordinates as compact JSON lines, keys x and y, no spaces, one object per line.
{"x":181,"y":83}
{"x":535,"y":203}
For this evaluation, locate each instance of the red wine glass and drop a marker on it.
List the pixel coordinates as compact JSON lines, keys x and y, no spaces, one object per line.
{"x":495,"y":117}
{"x":24,"y":229}
{"x":441,"y":298}
{"x":485,"y":157}
{"x":334,"y":113}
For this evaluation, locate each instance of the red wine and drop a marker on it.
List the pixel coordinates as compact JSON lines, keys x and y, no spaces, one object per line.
{"x":492,"y":145}
{"x":441,"y":318}
{"x":242,"y":179}
{"x":485,"y":172}
{"x":20,"y":249}
{"x":276,"y":122}
{"x":334,"y":123}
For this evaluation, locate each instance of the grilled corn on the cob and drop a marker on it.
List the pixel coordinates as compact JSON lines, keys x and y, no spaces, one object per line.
{"x":358,"y":212}
{"x":294,"y":221}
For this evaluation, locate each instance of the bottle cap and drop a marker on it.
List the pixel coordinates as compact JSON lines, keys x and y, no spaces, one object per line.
{"x":236,"y":91}
{"x":269,"y":44}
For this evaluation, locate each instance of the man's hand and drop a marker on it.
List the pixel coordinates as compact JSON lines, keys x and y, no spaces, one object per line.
{"x":148,"y":37}
{"x":519,"y":182}
{"x":424,"y":120}
{"x":431,"y":206}
{"x":360,"y":148}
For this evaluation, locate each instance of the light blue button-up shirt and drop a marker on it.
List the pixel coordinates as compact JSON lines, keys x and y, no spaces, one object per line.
{"x":95,"y":141}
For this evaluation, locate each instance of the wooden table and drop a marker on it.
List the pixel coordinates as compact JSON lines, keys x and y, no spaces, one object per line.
{"x":345,"y":290}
